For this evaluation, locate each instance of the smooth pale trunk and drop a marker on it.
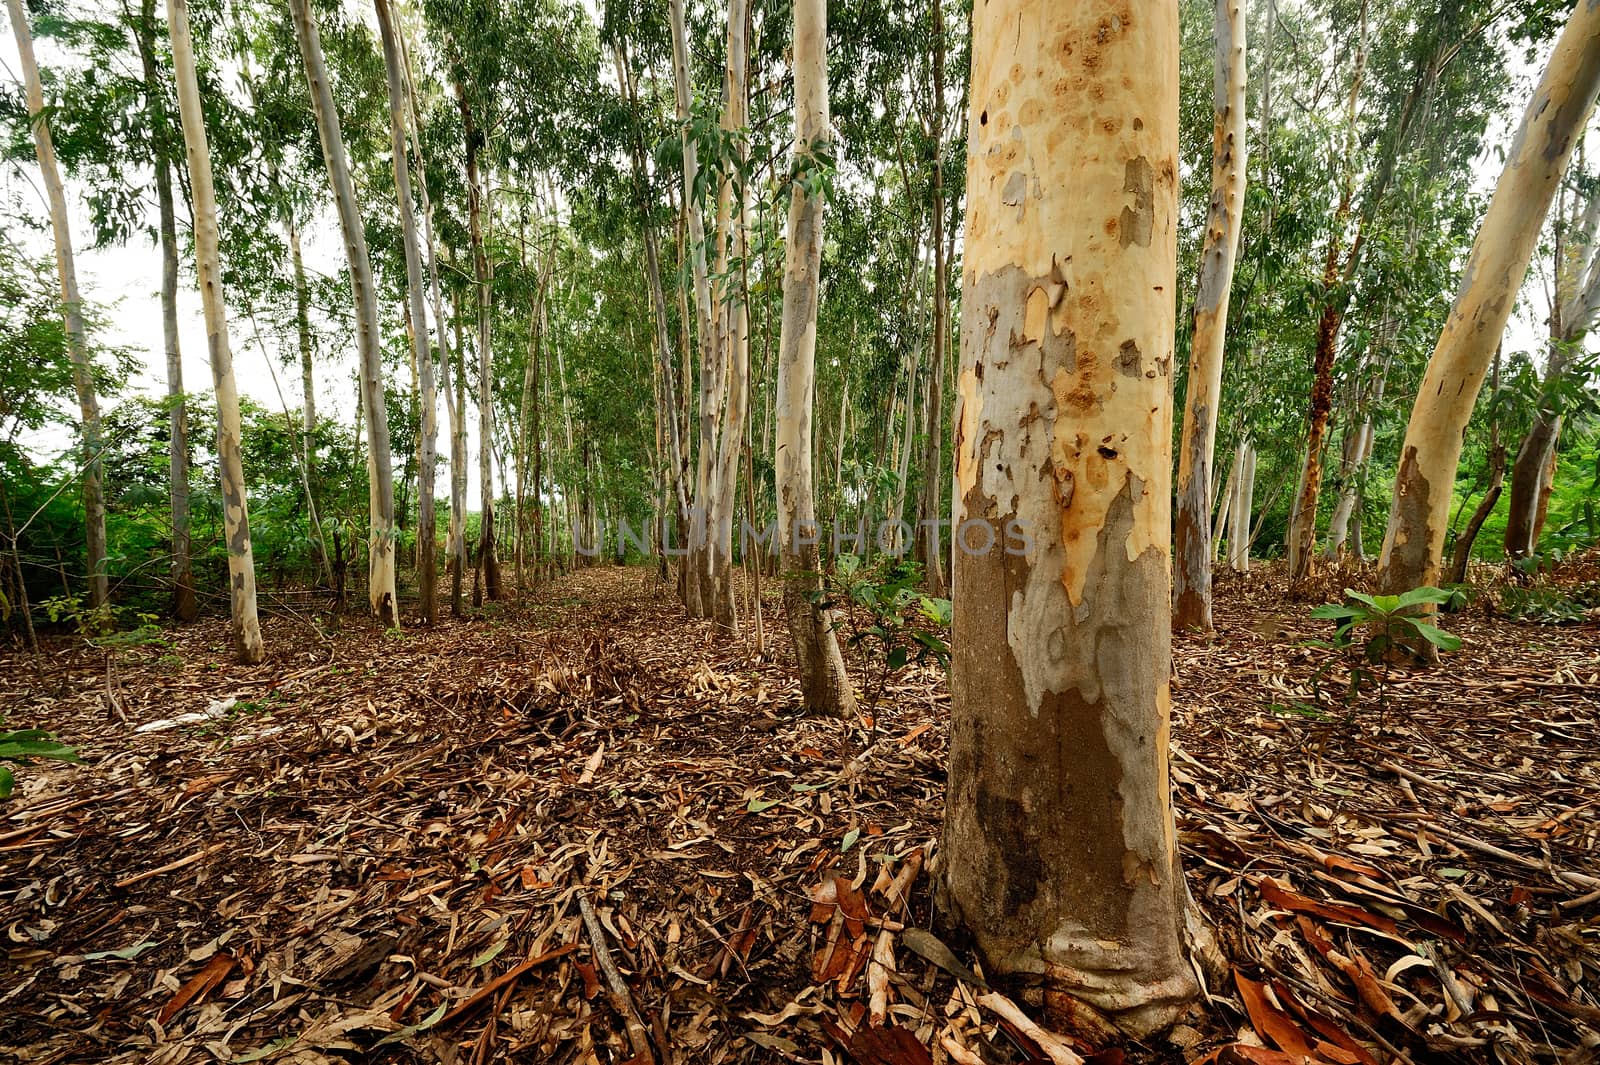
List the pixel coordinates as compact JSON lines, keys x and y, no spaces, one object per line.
{"x":733,"y":343}
{"x":697,"y":561}
{"x":824,"y":685}
{"x":1191,"y":578}
{"x":1059,"y":840}
{"x":381,"y":595}
{"x":94,"y":505}
{"x":931,"y":544}
{"x":1413,"y":545}
{"x":1357,"y":449}
{"x":184,"y":605}
{"x":1244,"y":506}
{"x":421,"y":353}
{"x":248,"y":646}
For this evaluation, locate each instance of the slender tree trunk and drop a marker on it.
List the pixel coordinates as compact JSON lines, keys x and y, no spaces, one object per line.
{"x":1414,"y":543}
{"x":1059,"y":838}
{"x":667,"y":408}
{"x":733,"y":334}
{"x":458,"y":469}
{"x":930,"y":543}
{"x":823,"y":683}
{"x":1302,"y":537}
{"x":416,"y":303}
{"x":1193,"y":553}
{"x":1497,"y":476}
{"x":1244,"y":531}
{"x":381,"y":595}
{"x":235,"y":516}
{"x":696,"y":563}
{"x":483,"y":272}
{"x":184,"y":605}
{"x":94,"y":504}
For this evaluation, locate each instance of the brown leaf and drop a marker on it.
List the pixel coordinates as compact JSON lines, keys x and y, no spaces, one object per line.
{"x":198,"y":985}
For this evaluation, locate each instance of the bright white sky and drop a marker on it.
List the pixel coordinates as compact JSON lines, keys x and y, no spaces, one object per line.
{"x":127,"y":280}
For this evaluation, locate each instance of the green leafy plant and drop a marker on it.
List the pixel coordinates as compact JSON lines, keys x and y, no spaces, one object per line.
{"x":879,"y":612}
{"x":1372,"y":631}
{"x":23,"y":747}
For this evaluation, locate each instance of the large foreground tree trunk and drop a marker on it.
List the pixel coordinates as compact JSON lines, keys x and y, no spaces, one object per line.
{"x":380,"y":477}
{"x":416,"y":288}
{"x":184,"y":605}
{"x":94,"y":503}
{"x":1413,"y":545}
{"x":235,"y":515}
{"x":1059,"y":835}
{"x":1191,"y":577}
{"x":823,"y":683}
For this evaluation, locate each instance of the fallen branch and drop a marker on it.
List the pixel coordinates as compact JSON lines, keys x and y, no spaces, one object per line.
{"x":617,"y":991}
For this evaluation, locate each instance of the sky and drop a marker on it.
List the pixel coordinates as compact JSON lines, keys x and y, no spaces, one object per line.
{"x":126,"y":281}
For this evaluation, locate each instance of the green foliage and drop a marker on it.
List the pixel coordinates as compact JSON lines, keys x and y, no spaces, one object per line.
{"x":1371,"y":631}
{"x":881,"y":614}
{"x":1391,"y":623}
{"x":25,"y":746}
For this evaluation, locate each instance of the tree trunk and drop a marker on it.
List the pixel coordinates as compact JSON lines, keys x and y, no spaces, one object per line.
{"x":94,"y":504}
{"x":824,"y":686}
{"x":421,"y":351}
{"x":235,"y":515}
{"x":930,"y":550}
{"x":1244,"y":504}
{"x":184,"y":605}
{"x":732,"y":334}
{"x":667,"y":407}
{"x":1469,"y":535}
{"x":1414,"y":543}
{"x":1191,"y":576}
{"x":483,"y":273}
{"x":381,"y":594}
{"x":696,"y":562}
{"x":1059,"y":833}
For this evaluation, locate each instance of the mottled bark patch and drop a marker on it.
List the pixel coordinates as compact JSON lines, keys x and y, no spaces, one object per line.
{"x":1407,"y":556}
{"x":1138,"y":221}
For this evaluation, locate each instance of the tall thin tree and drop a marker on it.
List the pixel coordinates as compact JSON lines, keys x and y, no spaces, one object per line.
{"x":416,"y":302}
{"x":380,"y":477}
{"x":1191,"y":578}
{"x":208,"y":262}
{"x":94,"y":503}
{"x":823,"y":682}
{"x":1413,"y":545}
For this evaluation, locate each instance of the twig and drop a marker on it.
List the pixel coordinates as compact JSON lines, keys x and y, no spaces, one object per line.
{"x":617,"y":991}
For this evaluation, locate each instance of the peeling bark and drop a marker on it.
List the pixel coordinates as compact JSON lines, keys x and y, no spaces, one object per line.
{"x":1192,"y":542}
{"x":1059,"y":835}
{"x":248,"y":647}
{"x":1413,"y":545}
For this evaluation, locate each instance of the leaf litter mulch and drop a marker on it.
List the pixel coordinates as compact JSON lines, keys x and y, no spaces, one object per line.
{"x":587,"y":830}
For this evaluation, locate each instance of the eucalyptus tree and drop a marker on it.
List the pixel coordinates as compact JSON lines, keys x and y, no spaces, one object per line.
{"x":1413,"y":544}
{"x":1575,"y":304}
{"x":823,"y":682}
{"x":1192,"y":538}
{"x":236,"y":519}
{"x":416,"y":304}
{"x":381,"y":593}
{"x":94,"y":505}
{"x":1059,"y":841}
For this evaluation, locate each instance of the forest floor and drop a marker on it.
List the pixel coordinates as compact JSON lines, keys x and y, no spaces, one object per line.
{"x":380,"y":847}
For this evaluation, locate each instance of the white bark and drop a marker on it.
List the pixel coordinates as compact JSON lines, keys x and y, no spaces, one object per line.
{"x":235,"y":516}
